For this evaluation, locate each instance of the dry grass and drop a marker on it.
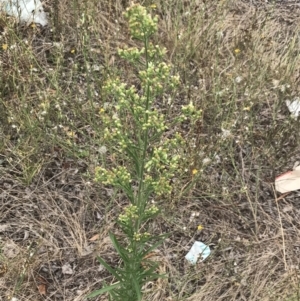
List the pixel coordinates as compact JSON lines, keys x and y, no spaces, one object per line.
{"x":238,"y":62}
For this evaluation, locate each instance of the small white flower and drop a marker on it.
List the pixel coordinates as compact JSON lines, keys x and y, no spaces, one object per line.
{"x":217,"y":158}
{"x":220,"y":34}
{"x":282,"y":88}
{"x":225,"y":133}
{"x":96,"y":67}
{"x":238,"y":79}
{"x":106,"y":105}
{"x":102,"y":150}
{"x":206,"y":161}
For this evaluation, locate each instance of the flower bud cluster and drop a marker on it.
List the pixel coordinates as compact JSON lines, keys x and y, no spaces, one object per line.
{"x":141,"y":24}
{"x":190,"y":112}
{"x":118,"y":176}
{"x":130,"y":214}
{"x":141,"y":236}
{"x":133,"y":55}
{"x":150,"y":212}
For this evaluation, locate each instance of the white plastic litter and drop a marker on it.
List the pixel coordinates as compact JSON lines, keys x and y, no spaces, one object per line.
{"x":27,"y":11}
{"x":294,"y":107}
{"x":289,"y":181}
{"x":198,"y":249}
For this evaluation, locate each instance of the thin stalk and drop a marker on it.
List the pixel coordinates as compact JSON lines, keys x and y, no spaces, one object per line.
{"x":141,"y":202}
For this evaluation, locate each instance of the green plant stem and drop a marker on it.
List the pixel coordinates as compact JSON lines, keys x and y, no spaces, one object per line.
{"x":141,"y":201}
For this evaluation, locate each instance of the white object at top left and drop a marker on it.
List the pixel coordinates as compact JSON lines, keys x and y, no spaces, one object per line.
{"x":27,"y":11}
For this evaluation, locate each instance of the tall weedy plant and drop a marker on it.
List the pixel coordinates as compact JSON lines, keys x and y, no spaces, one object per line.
{"x":149,"y":157}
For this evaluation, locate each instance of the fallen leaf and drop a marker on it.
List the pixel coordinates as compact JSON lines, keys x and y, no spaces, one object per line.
{"x":95,"y":237}
{"x":42,"y":289}
{"x":42,"y":286}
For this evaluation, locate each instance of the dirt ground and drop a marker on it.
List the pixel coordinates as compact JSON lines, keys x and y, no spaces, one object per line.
{"x":55,"y":223}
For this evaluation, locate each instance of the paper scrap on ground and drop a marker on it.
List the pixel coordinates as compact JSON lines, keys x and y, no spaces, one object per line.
{"x":198,"y":249}
{"x":294,"y":107}
{"x":289,"y":181}
{"x":27,"y":11}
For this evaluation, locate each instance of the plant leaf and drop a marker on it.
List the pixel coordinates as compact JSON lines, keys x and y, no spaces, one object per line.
{"x":137,"y":289}
{"x":121,"y":251}
{"x":153,"y":247}
{"x":134,"y":157}
{"x":103,"y":290}
{"x":109,"y":268}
